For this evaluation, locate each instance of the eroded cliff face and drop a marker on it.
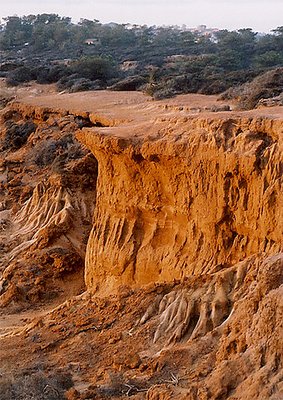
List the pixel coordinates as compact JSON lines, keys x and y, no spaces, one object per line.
{"x":189,"y":196}
{"x":47,"y":200}
{"x":212,"y":337}
{"x":184,"y":261}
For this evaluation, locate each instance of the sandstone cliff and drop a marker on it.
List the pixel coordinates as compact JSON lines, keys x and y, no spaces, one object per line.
{"x":184,"y":261}
{"x":185,"y":197}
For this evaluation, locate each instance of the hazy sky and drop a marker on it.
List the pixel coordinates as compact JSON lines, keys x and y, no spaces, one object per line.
{"x":261,"y":15}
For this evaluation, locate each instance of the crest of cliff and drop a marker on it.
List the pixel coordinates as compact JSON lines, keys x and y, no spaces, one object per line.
{"x":142,"y":243}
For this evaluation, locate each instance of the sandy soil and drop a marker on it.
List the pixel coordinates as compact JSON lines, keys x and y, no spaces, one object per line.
{"x":135,"y":106}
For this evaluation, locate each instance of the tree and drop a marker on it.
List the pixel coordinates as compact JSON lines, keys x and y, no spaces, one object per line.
{"x":16,"y":32}
{"x":94,"y":68}
{"x":278,"y":38}
{"x":236,"y":49}
{"x":269,"y":59}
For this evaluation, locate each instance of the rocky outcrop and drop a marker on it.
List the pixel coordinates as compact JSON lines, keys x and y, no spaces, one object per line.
{"x":47,"y":200}
{"x":187,"y":196}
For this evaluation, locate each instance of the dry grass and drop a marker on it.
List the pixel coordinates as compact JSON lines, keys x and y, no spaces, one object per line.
{"x":37,"y":386}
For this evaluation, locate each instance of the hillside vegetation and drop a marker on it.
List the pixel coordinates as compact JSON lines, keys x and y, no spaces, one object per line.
{"x":161,"y":61}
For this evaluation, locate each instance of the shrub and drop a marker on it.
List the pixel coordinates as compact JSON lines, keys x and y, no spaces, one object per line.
{"x":51,"y":74}
{"x":37,"y":386}
{"x":20,"y":75}
{"x":130,"y":83}
{"x":164,"y":93}
{"x":94,"y":68}
{"x":82,"y":84}
{"x":269,"y":84}
{"x":45,"y":153}
{"x":17,"y":135}
{"x":66,"y":82}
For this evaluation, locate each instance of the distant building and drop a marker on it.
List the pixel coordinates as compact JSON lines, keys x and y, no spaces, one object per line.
{"x":204,"y":30}
{"x":92,"y":42}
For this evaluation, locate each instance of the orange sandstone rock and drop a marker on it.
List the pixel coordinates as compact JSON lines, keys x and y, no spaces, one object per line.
{"x":183,"y":197}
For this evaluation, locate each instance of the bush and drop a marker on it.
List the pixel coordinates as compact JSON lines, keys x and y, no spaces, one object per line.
{"x":267,"y":85}
{"x":47,"y":152}
{"x":81,"y":84}
{"x":73,"y":83}
{"x":37,"y":386}
{"x":130,"y":83}
{"x":51,"y":74}
{"x":17,"y":135}
{"x":66,"y":82}
{"x":269,"y":59}
{"x":164,"y":93}
{"x":20,"y":75}
{"x":94,"y":68}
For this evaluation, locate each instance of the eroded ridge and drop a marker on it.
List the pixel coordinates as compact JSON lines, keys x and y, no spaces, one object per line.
{"x":207,"y":189}
{"x":47,"y":199}
{"x":193,"y":311}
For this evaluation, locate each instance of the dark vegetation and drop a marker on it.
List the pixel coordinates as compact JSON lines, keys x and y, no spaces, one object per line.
{"x":162,"y":61}
{"x":16,"y":135}
{"x":35,"y":385}
{"x":265,"y":86}
{"x":65,"y":149}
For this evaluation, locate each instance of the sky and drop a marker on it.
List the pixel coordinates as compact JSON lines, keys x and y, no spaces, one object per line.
{"x":260,"y":15}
